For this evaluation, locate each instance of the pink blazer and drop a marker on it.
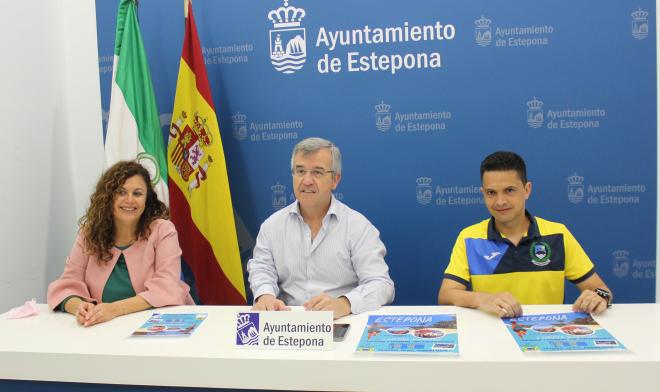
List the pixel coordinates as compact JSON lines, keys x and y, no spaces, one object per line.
{"x":154,"y":266}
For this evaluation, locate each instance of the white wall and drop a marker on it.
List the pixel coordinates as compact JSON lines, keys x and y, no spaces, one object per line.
{"x":51,"y":150}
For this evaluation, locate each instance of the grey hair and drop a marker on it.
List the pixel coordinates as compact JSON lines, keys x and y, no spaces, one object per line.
{"x":313,"y":144}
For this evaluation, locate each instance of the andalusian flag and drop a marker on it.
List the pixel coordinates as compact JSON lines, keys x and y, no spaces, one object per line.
{"x":133,"y":124}
{"x":200,"y":202}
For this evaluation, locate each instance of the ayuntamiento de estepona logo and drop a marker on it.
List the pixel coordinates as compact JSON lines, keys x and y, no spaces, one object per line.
{"x":288,"y":47}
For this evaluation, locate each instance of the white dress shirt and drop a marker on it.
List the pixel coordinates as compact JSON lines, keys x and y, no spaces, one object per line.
{"x":346,"y":258}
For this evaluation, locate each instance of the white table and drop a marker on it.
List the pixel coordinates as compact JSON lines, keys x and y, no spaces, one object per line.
{"x":52,"y":347}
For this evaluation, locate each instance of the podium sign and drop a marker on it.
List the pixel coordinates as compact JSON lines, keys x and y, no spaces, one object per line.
{"x":294,"y":330}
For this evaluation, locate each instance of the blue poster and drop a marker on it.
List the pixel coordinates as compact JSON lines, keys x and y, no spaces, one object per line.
{"x":419,"y":333}
{"x":170,"y":324}
{"x":555,"y":332}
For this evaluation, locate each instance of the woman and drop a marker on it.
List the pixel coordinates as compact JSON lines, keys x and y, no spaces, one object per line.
{"x":126,"y":257}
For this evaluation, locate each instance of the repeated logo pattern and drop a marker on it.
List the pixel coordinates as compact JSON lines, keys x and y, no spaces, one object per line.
{"x":483,"y":35}
{"x":620,"y":264}
{"x":640,"y":24}
{"x":278,"y":198}
{"x":535,"y":113}
{"x":424,"y":190}
{"x":239,"y":126}
{"x":575,"y":189}
{"x":383,"y":117}
{"x":288,"y":48}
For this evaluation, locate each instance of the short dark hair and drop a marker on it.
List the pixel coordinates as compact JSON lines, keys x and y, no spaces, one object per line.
{"x":503,"y":161}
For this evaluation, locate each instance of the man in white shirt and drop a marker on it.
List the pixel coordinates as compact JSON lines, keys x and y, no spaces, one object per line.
{"x":317,"y":252}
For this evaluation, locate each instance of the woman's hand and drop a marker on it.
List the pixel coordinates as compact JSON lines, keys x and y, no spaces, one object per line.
{"x":82,"y":311}
{"x":95,"y":314}
{"x":79,"y":308}
{"x":88,"y":314}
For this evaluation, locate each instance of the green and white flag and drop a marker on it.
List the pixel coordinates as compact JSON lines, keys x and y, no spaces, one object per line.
{"x":133,"y":124}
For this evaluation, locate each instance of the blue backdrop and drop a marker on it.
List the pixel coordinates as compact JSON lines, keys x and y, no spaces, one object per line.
{"x":415,"y":94}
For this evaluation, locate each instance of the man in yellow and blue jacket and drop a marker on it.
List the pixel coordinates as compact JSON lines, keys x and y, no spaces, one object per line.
{"x":515,"y":258}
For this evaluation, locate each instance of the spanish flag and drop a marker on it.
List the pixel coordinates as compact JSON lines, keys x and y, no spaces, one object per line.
{"x":200,"y":202}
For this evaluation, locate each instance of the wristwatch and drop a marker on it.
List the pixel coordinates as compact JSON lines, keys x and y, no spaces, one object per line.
{"x":606,"y":295}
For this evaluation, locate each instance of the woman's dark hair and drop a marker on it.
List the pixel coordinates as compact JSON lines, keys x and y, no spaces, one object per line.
{"x":97,"y":225}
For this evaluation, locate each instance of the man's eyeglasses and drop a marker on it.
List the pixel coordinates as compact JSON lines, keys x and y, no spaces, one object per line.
{"x":316,"y":173}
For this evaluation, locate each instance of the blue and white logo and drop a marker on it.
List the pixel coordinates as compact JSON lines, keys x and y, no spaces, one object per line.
{"x":383,"y":117}
{"x":492,"y":255}
{"x":288,"y":48}
{"x":620,"y":264}
{"x":278,"y":197}
{"x":482,"y":32}
{"x":239,"y":126}
{"x":247,"y":329}
{"x":424,"y":190}
{"x":640,"y":24}
{"x":575,"y":188}
{"x":535,"y":113}
{"x":540,"y":251}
